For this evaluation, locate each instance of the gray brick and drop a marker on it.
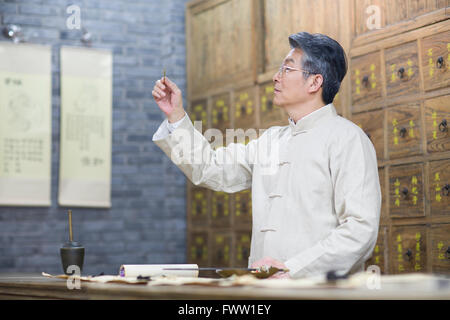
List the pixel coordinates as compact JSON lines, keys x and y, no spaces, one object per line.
{"x":33,"y":9}
{"x":40,"y":33}
{"x":8,"y":8}
{"x":136,"y":94}
{"x":125,"y":60}
{"x":138,"y":138}
{"x":125,"y":149}
{"x":22,"y":20}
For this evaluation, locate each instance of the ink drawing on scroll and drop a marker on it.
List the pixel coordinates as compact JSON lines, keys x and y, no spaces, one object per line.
{"x":25,"y":124}
{"x":86,"y":99}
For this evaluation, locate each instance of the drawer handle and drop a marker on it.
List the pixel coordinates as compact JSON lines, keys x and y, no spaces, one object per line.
{"x":403,"y":132}
{"x":408,"y":254}
{"x":445,"y":191}
{"x":244,"y":207}
{"x":443,"y":126}
{"x":365,"y":81}
{"x":405,"y":192}
{"x":401,"y":72}
{"x":440,"y":62}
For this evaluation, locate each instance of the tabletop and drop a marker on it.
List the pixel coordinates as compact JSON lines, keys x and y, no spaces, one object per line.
{"x":36,"y":286}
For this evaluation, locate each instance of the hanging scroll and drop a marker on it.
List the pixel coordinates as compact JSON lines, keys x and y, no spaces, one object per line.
{"x":86,"y":116}
{"x":25,"y":125}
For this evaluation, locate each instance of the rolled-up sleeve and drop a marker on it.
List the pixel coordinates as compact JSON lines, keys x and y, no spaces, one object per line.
{"x":225,"y":169}
{"x":357,"y":201}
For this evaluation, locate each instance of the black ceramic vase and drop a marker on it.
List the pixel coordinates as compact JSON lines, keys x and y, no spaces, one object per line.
{"x":72,"y":253}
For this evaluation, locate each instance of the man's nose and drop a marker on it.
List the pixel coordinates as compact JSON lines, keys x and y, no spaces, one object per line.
{"x":276,"y":77}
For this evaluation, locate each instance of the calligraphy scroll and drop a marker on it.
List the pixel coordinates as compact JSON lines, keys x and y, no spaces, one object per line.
{"x":25,"y":124}
{"x":86,"y":116}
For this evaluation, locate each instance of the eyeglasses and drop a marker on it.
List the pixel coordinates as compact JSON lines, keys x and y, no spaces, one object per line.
{"x":286,"y":69}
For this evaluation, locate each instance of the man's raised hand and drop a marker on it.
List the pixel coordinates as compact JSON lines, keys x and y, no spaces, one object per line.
{"x":169,"y":99}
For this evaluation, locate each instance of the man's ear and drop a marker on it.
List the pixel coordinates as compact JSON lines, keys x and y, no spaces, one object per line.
{"x":316,"y":83}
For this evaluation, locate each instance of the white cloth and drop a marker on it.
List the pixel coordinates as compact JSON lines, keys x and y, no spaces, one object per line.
{"x":316,"y":207}
{"x":167,"y":128}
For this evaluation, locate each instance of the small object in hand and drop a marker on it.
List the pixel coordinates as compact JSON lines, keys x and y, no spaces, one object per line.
{"x":164,"y":76}
{"x":260,"y":273}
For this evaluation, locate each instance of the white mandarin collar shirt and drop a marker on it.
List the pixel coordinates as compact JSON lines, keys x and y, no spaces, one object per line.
{"x":315,"y":189}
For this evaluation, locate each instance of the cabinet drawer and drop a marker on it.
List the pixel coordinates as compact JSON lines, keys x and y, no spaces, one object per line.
{"x":366,"y":78}
{"x":270,"y":114}
{"x":440,"y":242}
{"x":379,"y":253}
{"x":242,"y":248}
{"x":402,"y":72}
{"x":406,"y":197}
{"x":439,"y":184}
{"x":408,"y":247}
{"x":220,"y":209}
{"x":220,"y":112}
{"x":221,"y":249}
{"x":199,"y":206}
{"x":436,"y":61}
{"x":404,"y":131}
{"x":372,"y":123}
{"x":244,"y":109}
{"x":243,"y":209}
{"x":199,"y":112}
{"x":437,"y":118}
{"x":198,"y":248}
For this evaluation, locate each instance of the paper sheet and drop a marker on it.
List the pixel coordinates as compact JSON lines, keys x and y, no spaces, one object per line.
{"x":99,"y":279}
{"x":157,"y":270}
{"x":25,"y":124}
{"x":86,"y":127}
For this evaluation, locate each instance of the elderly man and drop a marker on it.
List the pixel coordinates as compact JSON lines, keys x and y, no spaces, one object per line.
{"x":318,"y":209}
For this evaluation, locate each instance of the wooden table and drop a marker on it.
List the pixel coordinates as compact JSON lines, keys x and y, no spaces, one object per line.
{"x":35,"y":286}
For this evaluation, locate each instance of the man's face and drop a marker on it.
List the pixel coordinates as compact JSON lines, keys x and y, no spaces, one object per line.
{"x":290,"y":87}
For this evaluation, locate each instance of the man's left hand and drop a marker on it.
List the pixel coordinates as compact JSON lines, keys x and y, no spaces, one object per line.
{"x":270,"y":262}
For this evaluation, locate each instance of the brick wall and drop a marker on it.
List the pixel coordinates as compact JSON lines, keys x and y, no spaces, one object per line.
{"x":146,"y":223}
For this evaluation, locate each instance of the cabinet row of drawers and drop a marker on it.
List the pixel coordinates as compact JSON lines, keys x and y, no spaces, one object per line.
{"x":412,"y":248}
{"x":402,"y":70}
{"x":410,"y":129}
{"x":399,"y":249}
{"x":245,"y":108}
{"x":412,"y":190}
